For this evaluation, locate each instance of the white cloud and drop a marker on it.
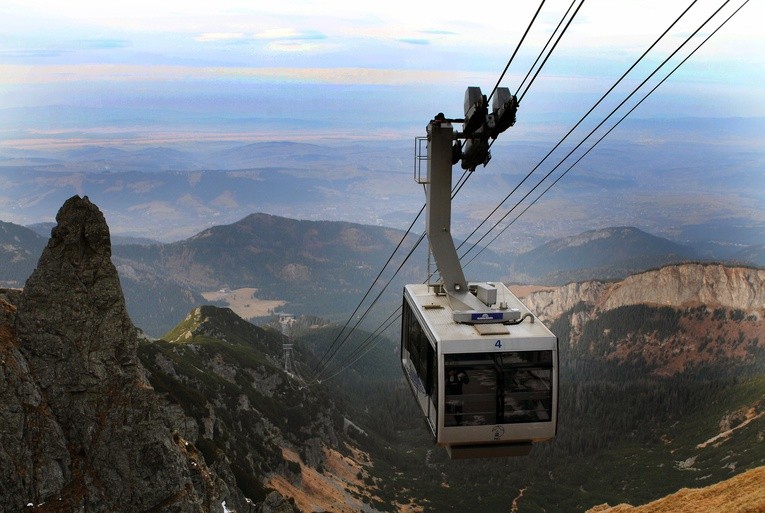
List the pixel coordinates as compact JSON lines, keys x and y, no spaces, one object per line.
{"x":601,"y":25}
{"x":294,"y":40}
{"x":219,"y":36}
{"x":289,"y":34}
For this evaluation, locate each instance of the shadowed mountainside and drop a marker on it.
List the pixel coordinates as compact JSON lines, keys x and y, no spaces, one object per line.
{"x":19,"y":250}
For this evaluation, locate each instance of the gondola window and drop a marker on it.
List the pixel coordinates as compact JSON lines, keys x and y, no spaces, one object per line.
{"x":420,"y":364}
{"x":498,"y":388}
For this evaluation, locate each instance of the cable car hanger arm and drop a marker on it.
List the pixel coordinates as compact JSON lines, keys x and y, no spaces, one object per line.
{"x":476,"y":308}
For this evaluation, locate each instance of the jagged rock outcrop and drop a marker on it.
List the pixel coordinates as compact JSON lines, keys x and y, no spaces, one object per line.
{"x":677,"y":286}
{"x":670,"y":319}
{"x":81,"y":430}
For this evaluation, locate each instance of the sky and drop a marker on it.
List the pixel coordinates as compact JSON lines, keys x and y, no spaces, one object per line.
{"x":172,"y":72}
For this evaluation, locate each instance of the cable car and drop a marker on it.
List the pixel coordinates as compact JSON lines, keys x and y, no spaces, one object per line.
{"x":487,"y":389}
{"x":483,"y":369}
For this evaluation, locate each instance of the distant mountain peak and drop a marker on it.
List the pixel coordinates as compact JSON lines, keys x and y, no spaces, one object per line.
{"x":605,"y":253}
{"x":599,"y":234}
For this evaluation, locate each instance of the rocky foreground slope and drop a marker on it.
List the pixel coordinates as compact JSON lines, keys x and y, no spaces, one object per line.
{"x":744,"y":493}
{"x":96,"y":418}
{"x":81,"y":429}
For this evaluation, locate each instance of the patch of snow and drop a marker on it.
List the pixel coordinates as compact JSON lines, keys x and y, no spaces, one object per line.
{"x":687,"y":464}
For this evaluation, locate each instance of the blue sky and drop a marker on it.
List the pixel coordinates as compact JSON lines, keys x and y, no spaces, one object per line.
{"x":145,"y":72}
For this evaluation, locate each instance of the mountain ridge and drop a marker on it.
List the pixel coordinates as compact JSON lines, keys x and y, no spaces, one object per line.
{"x":298,"y":262}
{"x":679,"y":285}
{"x":606,"y":253}
{"x":671,"y":319}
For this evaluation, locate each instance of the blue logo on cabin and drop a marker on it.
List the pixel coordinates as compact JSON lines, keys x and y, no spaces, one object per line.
{"x":486,"y":316}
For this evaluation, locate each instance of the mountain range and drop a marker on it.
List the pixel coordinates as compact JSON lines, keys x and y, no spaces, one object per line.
{"x":264,"y":263}
{"x":184,"y":191}
{"x":208,"y":419}
{"x":711,"y":200}
{"x":609,"y":253}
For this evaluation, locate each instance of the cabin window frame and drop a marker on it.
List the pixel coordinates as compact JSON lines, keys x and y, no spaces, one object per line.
{"x":419,"y":352}
{"x":509,"y":387}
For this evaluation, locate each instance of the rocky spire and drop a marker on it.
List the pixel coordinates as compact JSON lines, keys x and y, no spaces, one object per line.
{"x":74,"y":333}
{"x":72,"y":319}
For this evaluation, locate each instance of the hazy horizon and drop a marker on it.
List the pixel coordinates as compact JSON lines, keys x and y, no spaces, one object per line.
{"x":140,"y":72}
{"x":365,"y":80}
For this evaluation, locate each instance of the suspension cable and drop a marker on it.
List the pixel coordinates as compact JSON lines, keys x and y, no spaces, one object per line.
{"x":581,"y":120}
{"x":461,"y":182}
{"x":371,"y":286}
{"x":560,"y":36}
{"x":518,"y":47}
{"x":544,"y":48}
{"x":601,"y":124}
{"x":365,"y":346}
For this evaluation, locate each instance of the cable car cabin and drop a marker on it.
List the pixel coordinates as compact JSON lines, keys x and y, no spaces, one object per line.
{"x":488,"y":386}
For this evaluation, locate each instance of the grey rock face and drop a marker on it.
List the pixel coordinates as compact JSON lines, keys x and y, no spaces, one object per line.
{"x":34,"y":459}
{"x":79,"y":424}
{"x":275,"y":503}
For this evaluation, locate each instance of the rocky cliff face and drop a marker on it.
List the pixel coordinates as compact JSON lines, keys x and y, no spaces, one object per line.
{"x":81,"y":430}
{"x":693,"y":284}
{"x":671,"y":319}
{"x":676,"y":286}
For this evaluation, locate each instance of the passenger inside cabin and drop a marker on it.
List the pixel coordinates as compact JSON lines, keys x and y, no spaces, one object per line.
{"x":454,"y":381}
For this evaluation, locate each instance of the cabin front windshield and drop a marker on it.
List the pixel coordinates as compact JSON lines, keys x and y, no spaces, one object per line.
{"x":498,"y":388}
